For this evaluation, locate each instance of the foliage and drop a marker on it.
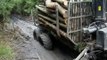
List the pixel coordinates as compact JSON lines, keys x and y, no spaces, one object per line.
{"x":19,"y":6}
{"x":6,"y":52}
{"x":6,"y":7}
{"x":6,"y":46}
{"x":28,"y":5}
{"x":25,"y":6}
{"x":80,"y":46}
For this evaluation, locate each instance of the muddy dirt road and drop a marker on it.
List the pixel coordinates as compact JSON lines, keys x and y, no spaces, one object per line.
{"x":32,"y":50}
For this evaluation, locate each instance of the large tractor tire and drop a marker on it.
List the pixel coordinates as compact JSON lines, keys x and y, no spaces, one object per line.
{"x":46,"y":41}
{"x":36,"y":33}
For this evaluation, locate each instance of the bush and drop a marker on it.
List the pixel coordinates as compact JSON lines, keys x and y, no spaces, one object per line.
{"x":6,"y":7}
{"x":24,"y":6}
{"x":18,"y":6}
{"x":6,"y":52}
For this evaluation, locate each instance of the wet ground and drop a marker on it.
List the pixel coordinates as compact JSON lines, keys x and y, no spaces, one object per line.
{"x":29,"y":49}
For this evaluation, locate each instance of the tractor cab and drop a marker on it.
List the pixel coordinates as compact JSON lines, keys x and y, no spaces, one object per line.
{"x":99,"y":8}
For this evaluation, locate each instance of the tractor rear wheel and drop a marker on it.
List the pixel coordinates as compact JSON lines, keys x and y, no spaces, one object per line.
{"x":46,"y":41}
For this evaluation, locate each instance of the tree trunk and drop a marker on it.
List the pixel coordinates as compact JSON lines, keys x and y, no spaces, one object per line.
{"x":51,"y":20}
{"x":52,"y":5}
{"x":64,"y":2}
{"x":53,"y":27}
{"x":45,"y":11}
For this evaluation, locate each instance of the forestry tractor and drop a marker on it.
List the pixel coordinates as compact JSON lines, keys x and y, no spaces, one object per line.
{"x":85,"y":25}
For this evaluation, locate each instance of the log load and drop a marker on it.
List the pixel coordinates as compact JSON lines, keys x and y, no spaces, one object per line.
{"x":52,"y":5}
{"x":50,"y":17}
{"x":80,"y":15}
{"x":52,"y":26}
{"x":51,"y":20}
{"x":43,"y":11}
{"x":64,"y":2}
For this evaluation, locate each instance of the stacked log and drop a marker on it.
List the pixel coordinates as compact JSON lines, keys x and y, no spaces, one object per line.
{"x":47,"y":14}
{"x":52,"y":5}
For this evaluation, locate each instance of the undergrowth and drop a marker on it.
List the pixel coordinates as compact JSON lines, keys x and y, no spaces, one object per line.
{"x":17,"y":6}
{"x":6,"y":52}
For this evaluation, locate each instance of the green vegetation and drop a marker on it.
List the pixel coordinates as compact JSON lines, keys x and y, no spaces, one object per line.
{"x":6,"y":45}
{"x":17,"y":6}
{"x":24,"y":6}
{"x":7,"y":7}
{"x":80,"y":46}
{"x":6,"y":52}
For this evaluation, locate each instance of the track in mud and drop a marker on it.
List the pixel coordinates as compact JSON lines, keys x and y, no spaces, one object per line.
{"x":33,"y":50}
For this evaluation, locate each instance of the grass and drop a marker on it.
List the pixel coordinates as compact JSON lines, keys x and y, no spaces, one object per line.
{"x":6,"y":52}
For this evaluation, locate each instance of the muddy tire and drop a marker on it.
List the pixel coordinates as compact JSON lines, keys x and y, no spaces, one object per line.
{"x":46,"y":41}
{"x":36,"y":34}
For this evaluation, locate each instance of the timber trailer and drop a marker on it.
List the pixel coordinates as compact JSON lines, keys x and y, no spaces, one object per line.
{"x":87,"y":26}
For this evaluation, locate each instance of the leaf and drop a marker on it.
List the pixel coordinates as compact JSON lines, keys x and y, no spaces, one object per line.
{"x":19,"y":6}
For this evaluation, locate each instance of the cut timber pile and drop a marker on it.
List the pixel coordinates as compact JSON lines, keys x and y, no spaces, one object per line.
{"x":48,"y":12}
{"x":52,"y":5}
{"x":80,"y":14}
